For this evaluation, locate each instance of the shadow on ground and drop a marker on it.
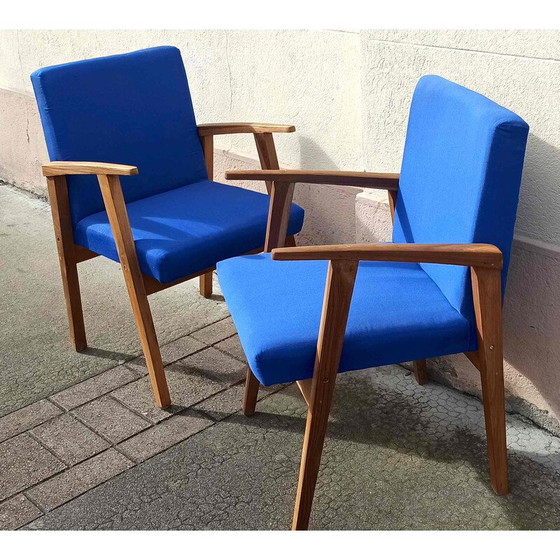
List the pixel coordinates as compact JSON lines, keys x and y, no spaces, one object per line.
{"x":398,"y":456}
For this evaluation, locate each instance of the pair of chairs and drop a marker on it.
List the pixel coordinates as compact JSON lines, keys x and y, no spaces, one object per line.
{"x":302,"y":313}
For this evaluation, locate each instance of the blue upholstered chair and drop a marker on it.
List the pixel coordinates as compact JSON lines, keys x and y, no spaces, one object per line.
{"x":304,"y":314}
{"x":129,"y":119}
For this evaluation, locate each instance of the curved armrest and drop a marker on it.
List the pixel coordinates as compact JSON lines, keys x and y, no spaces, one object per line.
{"x":388,"y":181}
{"x":467,"y":254}
{"x":213,"y":129}
{"x":57,"y":168}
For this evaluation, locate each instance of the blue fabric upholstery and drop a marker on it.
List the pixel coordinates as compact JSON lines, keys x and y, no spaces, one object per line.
{"x":131,"y":108}
{"x":397,"y":314}
{"x":136,"y":109}
{"x":460,"y":178}
{"x":459,"y":183}
{"x":185,"y":230}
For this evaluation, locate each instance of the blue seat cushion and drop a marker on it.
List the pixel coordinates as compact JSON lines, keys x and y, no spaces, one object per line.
{"x":397,"y":314}
{"x":185,"y":230}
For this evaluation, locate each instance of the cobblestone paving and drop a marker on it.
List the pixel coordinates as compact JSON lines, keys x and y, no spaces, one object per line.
{"x":60,"y":447}
{"x":398,"y":456}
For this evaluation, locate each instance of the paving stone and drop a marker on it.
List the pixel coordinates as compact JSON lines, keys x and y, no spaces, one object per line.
{"x":190,"y":380}
{"x":139,"y":397}
{"x":222,"y":404}
{"x":24,"y":462}
{"x":389,"y":463}
{"x":69,"y":439}
{"x":180,"y":348}
{"x":233,"y":347}
{"x":97,"y":386}
{"x":164,"y":435}
{"x":216,"y":332}
{"x":228,"y":402}
{"x":25,"y":418}
{"x":111,"y":419}
{"x":17,"y":511}
{"x":79,"y":479}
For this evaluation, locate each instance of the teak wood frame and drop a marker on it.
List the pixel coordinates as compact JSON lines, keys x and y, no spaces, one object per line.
{"x":139,"y":285}
{"x":485,"y":262}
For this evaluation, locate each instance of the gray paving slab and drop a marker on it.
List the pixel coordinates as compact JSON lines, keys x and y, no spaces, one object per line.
{"x":69,"y":439}
{"x":98,"y":385}
{"x":190,"y":380}
{"x":24,"y":462}
{"x":180,"y":348}
{"x":164,"y":435}
{"x":390,"y":462}
{"x":17,"y":511}
{"x":25,"y":418}
{"x":229,"y":401}
{"x":215,"y":332}
{"x":222,"y":404}
{"x":232,"y":346}
{"x":36,"y":359}
{"x":111,"y":419}
{"x":78,"y":479}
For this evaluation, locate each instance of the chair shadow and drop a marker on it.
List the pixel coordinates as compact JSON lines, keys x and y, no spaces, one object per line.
{"x":389,"y":419}
{"x":107,"y":354}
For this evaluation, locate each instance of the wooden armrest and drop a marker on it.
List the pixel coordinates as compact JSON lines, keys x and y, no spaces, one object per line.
{"x":467,"y":254}
{"x":57,"y":168}
{"x":387,"y":181}
{"x":213,"y":129}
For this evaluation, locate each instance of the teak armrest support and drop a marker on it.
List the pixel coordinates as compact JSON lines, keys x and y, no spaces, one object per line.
{"x":477,"y":255}
{"x":387,"y":181}
{"x":59,"y":168}
{"x":262,"y":133}
{"x":213,"y":129}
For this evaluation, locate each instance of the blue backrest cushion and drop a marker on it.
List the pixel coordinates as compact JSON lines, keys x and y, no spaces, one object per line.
{"x":460,"y":178}
{"x":133,"y":109}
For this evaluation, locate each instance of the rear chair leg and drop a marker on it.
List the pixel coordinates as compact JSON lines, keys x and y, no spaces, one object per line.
{"x":251,"y":393}
{"x":488,"y":308}
{"x":60,"y":209}
{"x":71,"y":286}
{"x":420,"y":372}
{"x":205,"y":285}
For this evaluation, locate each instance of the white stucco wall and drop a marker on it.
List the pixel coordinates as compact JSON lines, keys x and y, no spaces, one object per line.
{"x":348,"y":94}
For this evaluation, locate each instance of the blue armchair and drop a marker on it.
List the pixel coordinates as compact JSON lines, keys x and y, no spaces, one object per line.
{"x":435,"y":290}
{"x":129,"y":119}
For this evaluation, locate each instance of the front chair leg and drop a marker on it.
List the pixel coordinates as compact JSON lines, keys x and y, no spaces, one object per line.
{"x":118,"y":218}
{"x":251,"y":393}
{"x":488,"y":310}
{"x":336,"y":304}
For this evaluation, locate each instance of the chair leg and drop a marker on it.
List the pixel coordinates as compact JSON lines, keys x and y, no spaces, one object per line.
{"x":420,"y":372}
{"x":205,"y":284}
{"x":148,"y":339}
{"x":60,"y":209}
{"x":314,"y":439}
{"x":290,"y":241}
{"x":336,"y":304}
{"x":251,"y":393}
{"x":118,"y":218}
{"x":487,"y":300}
{"x":71,"y":285}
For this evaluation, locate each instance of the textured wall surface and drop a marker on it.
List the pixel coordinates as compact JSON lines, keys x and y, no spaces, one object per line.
{"x":348,"y":93}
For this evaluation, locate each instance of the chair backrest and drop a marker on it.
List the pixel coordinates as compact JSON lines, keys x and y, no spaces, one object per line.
{"x":460,"y":177}
{"x":133,"y":109}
